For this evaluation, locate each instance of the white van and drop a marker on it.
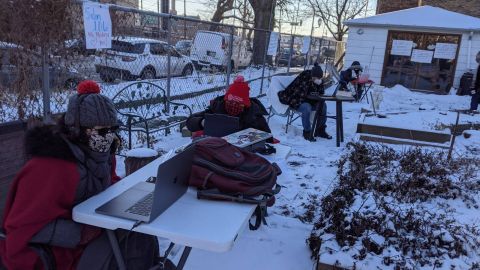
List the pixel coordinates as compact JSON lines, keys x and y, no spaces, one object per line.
{"x":210,"y":49}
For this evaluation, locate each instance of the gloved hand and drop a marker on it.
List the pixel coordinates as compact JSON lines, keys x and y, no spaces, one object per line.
{"x":473,"y":92}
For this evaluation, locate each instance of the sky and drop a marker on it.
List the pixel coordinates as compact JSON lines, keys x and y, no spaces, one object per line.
{"x":198,"y":8}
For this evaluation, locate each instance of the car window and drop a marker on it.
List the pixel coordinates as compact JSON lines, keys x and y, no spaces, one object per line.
{"x":126,"y":47}
{"x":173,"y":52}
{"x":157,"y":49}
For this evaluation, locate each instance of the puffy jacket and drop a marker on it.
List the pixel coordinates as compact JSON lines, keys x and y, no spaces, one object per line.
{"x":43,"y":191}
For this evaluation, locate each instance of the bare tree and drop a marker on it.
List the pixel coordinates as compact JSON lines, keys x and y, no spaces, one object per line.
{"x":334,"y":12}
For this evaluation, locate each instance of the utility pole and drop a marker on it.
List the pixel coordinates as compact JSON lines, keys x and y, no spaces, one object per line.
{"x":185,"y":20}
{"x":296,"y":18}
{"x":244,"y":31}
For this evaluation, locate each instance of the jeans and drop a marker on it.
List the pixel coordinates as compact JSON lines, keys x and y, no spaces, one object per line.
{"x":306,"y":110}
{"x":475,"y":100}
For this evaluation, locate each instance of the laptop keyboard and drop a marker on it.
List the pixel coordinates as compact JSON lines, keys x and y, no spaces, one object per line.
{"x":143,"y":207}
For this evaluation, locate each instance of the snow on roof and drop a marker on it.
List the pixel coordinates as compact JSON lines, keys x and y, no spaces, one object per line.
{"x":421,"y":17}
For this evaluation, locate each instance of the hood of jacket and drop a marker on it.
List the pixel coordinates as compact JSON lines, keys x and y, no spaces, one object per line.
{"x":45,"y":141}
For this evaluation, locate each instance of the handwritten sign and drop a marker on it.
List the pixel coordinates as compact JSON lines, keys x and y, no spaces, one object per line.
{"x":306,"y":45}
{"x":273,"y":44}
{"x":98,"y":26}
{"x":445,"y":51}
{"x":422,"y":56}
{"x":402,"y":47}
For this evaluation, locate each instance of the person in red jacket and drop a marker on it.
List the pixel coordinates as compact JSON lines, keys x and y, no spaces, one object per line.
{"x":236,"y":102}
{"x":69,"y":163}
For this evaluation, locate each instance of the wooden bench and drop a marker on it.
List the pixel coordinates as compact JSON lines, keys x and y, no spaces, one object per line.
{"x":144,"y":107}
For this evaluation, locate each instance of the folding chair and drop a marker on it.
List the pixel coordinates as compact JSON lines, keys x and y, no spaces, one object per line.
{"x":278,"y":84}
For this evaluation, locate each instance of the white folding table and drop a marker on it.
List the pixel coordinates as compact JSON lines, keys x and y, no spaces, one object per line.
{"x":193,"y":223}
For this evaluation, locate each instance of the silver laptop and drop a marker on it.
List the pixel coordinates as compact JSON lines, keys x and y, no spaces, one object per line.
{"x":219,"y":125}
{"x":146,"y":201}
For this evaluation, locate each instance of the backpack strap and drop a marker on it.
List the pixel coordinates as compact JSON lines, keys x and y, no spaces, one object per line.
{"x":260,"y":213}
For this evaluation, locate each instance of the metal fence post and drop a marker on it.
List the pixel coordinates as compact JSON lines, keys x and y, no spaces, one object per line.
{"x":46,"y":86}
{"x":292,"y":40}
{"x":267,"y":41}
{"x":169,"y":61}
{"x":230,"y":60}
{"x":319,"y":49}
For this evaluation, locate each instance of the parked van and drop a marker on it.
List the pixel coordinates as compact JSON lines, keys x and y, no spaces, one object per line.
{"x":210,"y":49}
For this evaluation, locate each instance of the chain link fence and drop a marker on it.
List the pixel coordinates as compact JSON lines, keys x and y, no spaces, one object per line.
{"x":192,"y":61}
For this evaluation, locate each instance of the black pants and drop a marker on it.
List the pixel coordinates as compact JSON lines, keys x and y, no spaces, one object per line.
{"x":475,"y":100}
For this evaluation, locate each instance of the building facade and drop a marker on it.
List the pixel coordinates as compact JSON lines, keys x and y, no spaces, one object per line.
{"x":467,"y":7}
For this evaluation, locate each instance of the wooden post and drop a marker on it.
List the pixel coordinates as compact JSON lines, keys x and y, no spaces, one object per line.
{"x":454,"y":135}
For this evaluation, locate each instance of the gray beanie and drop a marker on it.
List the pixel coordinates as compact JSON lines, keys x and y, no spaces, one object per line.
{"x":89,"y":108}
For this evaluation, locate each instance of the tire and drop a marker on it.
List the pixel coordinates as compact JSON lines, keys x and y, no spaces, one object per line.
{"x":148,"y":73}
{"x":106,"y":77}
{"x":187,"y":70}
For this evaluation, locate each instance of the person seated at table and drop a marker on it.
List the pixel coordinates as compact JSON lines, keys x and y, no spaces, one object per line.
{"x":309,"y":82}
{"x":350,"y":74}
{"x":236,"y":102}
{"x":69,"y":163}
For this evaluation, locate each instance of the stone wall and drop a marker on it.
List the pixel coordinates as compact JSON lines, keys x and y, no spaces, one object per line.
{"x":468,"y":7}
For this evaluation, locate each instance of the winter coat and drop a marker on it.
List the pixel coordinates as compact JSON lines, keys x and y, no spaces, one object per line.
{"x":251,"y":117}
{"x":43,"y":192}
{"x":297,"y":91}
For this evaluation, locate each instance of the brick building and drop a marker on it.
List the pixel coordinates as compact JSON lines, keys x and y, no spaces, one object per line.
{"x":468,"y":7}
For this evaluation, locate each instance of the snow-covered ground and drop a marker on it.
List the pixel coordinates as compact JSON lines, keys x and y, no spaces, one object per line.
{"x":310,"y":173}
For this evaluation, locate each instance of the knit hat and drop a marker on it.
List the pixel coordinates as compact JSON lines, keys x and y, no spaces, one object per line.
{"x":356,"y":66}
{"x":88,"y":108}
{"x":239,"y":92}
{"x":317,"y":71}
{"x":239,"y":78}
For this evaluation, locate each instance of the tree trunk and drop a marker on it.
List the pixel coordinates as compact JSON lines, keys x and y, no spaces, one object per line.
{"x":263,"y":10}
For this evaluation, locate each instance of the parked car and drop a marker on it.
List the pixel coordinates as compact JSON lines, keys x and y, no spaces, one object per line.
{"x":184,"y":46}
{"x":79,"y":46}
{"x":298,"y":59}
{"x":60,"y":77}
{"x":211,"y":49}
{"x":134,"y":57}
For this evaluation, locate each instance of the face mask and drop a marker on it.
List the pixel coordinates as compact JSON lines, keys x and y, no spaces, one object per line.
{"x":317,"y":81}
{"x":99,"y":143}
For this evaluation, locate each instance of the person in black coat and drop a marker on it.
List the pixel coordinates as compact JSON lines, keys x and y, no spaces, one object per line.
{"x":296,"y":96}
{"x":350,"y":74}
{"x":236,"y":102}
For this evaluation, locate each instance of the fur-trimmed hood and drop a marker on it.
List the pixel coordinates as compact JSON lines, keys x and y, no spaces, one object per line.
{"x":45,"y":141}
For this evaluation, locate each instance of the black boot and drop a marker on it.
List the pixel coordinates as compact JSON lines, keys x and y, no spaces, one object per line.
{"x":322,"y":133}
{"x":307,"y":135}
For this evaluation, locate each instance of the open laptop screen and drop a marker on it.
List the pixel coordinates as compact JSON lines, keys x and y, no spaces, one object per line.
{"x":219,"y":125}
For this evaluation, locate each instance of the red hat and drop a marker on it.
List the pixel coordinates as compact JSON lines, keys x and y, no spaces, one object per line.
{"x":239,"y":78}
{"x":239,"y":92}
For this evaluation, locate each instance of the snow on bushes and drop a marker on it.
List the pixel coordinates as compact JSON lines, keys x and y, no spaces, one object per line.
{"x":400,"y":206}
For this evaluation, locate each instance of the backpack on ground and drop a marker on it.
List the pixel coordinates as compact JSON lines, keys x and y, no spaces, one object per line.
{"x":222,"y":171}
